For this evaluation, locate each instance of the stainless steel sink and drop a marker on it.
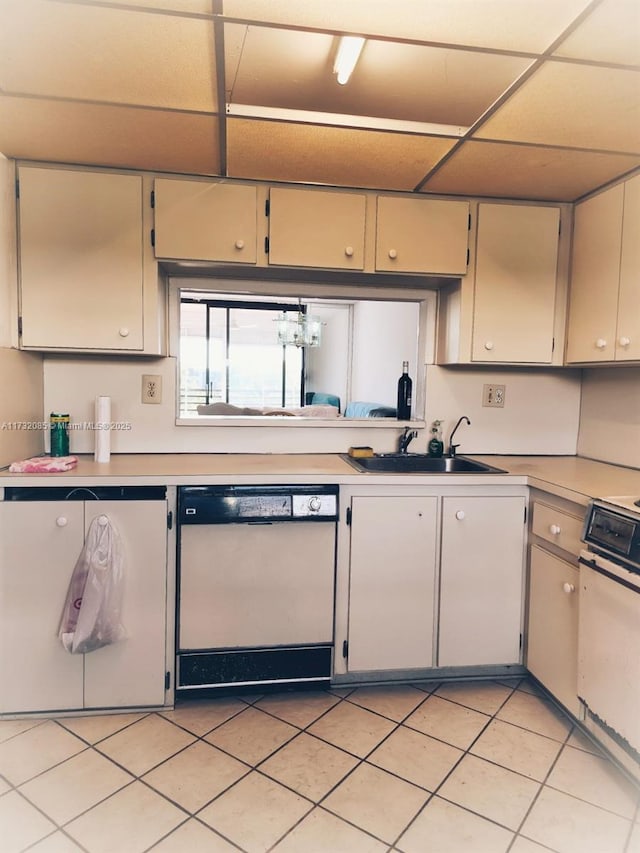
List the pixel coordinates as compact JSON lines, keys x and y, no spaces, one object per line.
{"x":420,"y":463}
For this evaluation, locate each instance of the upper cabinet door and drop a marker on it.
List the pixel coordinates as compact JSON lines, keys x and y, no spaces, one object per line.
{"x":205,"y":221}
{"x":422,"y":235}
{"x":313,"y":228}
{"x":515,"y":283}
{"x":628,"y":329}
{"x":81,"y":260}
{"x":595,"y":275}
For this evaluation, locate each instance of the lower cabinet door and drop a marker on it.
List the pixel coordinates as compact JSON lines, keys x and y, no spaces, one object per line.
{"x":131,"y":672}
{"x":481,"y":580}
{"x":39,"y":545}
{"x":392,"y":582}
{"x":552,"y":638}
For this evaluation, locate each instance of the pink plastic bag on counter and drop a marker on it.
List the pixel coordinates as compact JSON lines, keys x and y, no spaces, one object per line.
{"x":91,"y":617}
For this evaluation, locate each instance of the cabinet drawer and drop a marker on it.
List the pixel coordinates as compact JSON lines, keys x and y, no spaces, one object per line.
{"x":558,"y":527}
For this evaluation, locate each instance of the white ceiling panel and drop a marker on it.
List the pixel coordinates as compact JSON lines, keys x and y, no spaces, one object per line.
{"x":105,"y":135}
{"x":580,"y":106}
{"x":106,"y":54}
{"x":611,"y":33}
{"x":526,"y":171}
{"x":182,"y":7}
{"x":273,"y":67}
{"x":516,"y":25}
{"x":274,"y":151}
{"x":134,"y":84}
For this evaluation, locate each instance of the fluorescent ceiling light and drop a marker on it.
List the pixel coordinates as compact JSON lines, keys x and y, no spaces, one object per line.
{"x":392,"y":125}
{"x":349,"y":51}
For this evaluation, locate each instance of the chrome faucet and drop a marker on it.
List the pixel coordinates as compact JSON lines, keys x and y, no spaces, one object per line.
{"x":406,"y":438}
{"x":452,"y":447}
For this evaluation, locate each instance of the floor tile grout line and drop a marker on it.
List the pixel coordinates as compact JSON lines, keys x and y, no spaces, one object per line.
{"x":60,"y":723}
{"x":451,"y":770}
{"x":202,"y":823}
{"x":360,"y":760}
{"x":543,"y":785}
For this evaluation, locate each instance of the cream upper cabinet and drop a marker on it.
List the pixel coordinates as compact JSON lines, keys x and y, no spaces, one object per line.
{"x":595,"y":274}
{"x":515,"y":283}
{"x":604,"y":304}
{"x":628,"y":325}
{"x":83,"y":263}
{"x":205,"y":221}
{"x":315,"y":228}
{"x":422,"y":235}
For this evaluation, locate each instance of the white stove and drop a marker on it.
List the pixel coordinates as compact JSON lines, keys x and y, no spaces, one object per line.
{"x":632,"y":504}
{"x":609,"y":627}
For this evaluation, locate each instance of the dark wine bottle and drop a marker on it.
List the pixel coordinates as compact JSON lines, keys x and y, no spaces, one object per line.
{"x":404,"y":393}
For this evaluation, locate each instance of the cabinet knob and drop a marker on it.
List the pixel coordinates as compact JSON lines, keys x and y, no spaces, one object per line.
{"x":349,"y":251}
{"x":103,"y":520}
{"x":239,"y":244}
{"x":61,"y":521}
{"x":568,"y":587}
{"x":488,"y":345}
{"x":601,"y":343}
{"x":393,"y":254}
{"x":555,"y":529}
{"x":460,"y":514}
{"x":624,"y":342}
{"x":123,"y":332}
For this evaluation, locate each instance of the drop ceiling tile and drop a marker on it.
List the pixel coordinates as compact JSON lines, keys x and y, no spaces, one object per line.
{"x":611,"y":33}
{"x":106,"y":54}
{"x":184,"y":7}
{"x":526,"y":171}
{"x":583,"y":106}
{"x":531,"y":27}
{"x":69,"y":132}
{"x":276,"y":151}
{"x":284,"y":68}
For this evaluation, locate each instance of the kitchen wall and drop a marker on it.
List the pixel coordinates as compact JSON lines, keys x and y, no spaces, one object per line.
{"x":21,"y":374}
{"x":540,"y":416}
{"x":610,"y":415}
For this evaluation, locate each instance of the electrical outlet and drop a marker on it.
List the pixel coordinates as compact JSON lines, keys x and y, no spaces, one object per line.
{"x":493,"y":395}
{"x":151,"y":388}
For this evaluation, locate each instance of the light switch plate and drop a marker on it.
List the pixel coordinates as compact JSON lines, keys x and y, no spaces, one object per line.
{"x":493,"y":396}
{"x":151,"y":388}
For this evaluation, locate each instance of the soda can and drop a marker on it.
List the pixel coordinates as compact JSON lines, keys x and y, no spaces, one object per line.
{"x":59,"y":434}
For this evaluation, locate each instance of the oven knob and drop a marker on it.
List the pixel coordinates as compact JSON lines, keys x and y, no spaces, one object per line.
{"x":568,"y":588}
{"x":314,"y":504}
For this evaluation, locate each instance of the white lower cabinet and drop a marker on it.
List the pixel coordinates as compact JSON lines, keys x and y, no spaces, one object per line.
{"x":429,"y":579}
{"x":481,"y":578}
{"x":552,"y":641}
{"x":392,"y":582}
{"x":554,"y":595}
{"x":40,"y":542}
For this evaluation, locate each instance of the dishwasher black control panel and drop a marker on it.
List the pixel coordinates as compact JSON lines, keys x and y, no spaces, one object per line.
{"x":229,"y":504}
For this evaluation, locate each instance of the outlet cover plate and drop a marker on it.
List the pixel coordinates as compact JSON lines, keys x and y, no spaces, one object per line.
{"x":151,"y":388}
{"x":493,"y":395}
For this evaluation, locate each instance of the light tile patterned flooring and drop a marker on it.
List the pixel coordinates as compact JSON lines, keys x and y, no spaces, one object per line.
{"x":464,"y":767}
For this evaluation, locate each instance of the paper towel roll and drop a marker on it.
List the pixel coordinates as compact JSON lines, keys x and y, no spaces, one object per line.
{"x":102,"y":427}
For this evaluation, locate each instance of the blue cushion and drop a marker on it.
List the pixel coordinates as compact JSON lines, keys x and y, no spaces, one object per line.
{"x":316,"y":398}
{"x":368,"y":410}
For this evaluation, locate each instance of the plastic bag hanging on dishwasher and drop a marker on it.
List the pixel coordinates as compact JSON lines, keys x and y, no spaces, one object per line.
{"x":91,"y":615}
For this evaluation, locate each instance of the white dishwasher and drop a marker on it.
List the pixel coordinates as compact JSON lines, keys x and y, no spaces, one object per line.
{"x":256,"y":580}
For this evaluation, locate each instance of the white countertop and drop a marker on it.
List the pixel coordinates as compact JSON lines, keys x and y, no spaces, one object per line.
{"x":571,"y":477}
